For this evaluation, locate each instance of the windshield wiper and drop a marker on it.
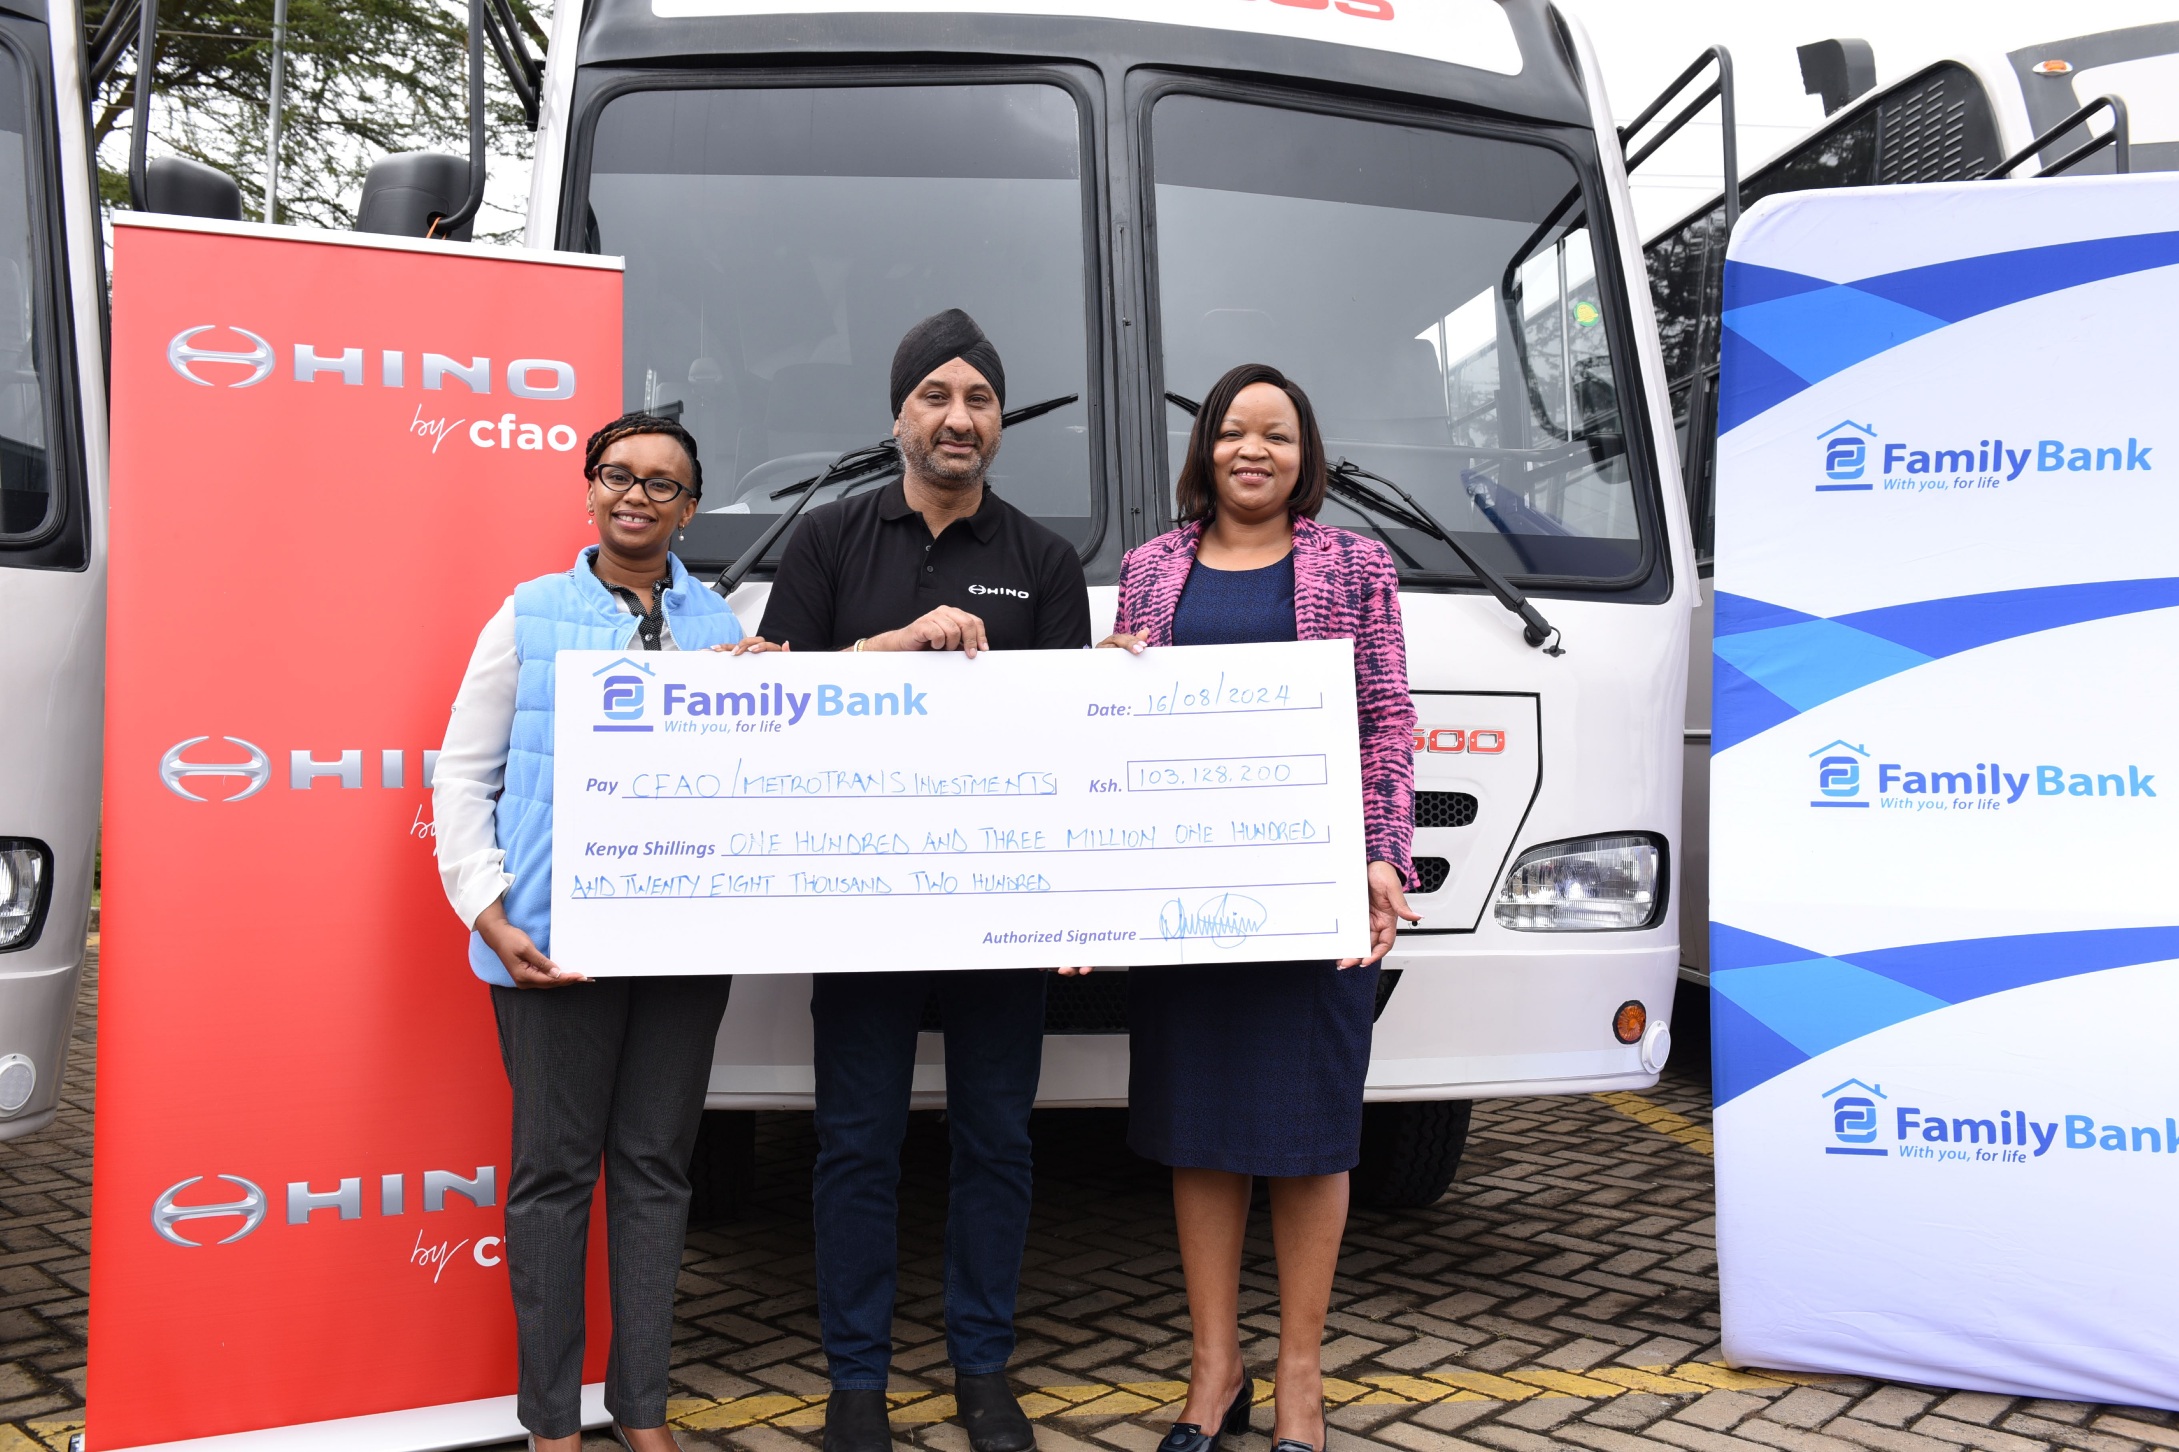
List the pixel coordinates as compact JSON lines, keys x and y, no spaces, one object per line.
{"x":870,"y":464}
{"x":1346,"y":478}
{"x":1347,"y":482}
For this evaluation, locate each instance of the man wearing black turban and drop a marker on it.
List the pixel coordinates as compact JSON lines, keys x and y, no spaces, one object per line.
{"x":938,"y":340}
{"x":936,"y":561}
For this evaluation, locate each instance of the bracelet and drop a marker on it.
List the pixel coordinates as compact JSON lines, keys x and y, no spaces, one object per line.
{"x":856,"y":649}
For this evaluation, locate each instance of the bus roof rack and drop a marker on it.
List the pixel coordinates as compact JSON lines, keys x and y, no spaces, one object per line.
{"x":1695,"y":468}
{"x":2117,"y":138}
{"x":1720,"y":91}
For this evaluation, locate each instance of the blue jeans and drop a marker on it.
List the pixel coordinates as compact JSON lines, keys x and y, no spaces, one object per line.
{"x":865,"y":1040}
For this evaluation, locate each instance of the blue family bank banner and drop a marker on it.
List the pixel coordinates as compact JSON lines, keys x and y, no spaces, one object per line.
{"x":1945,"y":881}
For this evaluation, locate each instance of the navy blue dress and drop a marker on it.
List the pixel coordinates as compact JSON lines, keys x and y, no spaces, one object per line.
{"x":1253,"y":1068}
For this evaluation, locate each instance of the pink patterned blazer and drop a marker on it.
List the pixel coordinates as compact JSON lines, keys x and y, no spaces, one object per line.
{"x":1345,"y":587}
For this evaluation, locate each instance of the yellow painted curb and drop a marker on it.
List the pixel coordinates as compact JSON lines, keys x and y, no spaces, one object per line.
{"x":1128,"y":1399}
{"x":1663,"y":1120}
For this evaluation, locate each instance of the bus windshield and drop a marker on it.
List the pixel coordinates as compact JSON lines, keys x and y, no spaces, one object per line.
{"x":1435,"y":293}
{"x":779,"y":242}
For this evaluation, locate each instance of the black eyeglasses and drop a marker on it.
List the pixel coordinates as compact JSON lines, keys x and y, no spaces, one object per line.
{"x":658,"y":491}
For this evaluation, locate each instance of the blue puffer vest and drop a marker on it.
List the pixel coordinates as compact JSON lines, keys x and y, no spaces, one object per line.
{"x":567,"y":611}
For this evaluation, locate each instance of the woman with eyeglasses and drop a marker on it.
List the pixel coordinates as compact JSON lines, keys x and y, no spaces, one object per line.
{"x":610,"y":1070}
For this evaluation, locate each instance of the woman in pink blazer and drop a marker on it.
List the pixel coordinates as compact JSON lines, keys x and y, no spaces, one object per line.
{"x":1257,"y":1069}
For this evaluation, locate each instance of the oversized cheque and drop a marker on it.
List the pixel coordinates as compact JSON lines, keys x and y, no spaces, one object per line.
{"x":795,"y":813}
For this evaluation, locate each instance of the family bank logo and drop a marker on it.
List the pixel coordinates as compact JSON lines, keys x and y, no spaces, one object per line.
{"x":1854,"y":1121}
{"x":1863,"y":1118}
{"x":1963,"y":786}
{"x":1845,"y":455}
{"x":628,"y":687}
{"x":1991,"y":463}
{"x":620,"y":695}
{"x":1838,"y":774}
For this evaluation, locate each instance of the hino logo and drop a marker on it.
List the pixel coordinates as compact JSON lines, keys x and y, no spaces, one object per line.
{"x":481,"y":1190}
{"x":179,"y":355}
{"x":304,"y":768}
{"x":537,"y":378}
{"x":165,"y":1214}
{"x":174,"y":770}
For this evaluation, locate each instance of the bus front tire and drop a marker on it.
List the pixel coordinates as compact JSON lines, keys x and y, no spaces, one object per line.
{"x":1410,"y":1152}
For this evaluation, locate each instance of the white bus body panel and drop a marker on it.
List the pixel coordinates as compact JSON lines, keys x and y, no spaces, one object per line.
{"x":53,"y":633}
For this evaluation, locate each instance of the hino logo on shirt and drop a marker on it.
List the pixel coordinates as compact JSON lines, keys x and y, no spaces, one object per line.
{"x":1007,"y":590}
{"x":538,"y":378}
{"x":345,"y":1199}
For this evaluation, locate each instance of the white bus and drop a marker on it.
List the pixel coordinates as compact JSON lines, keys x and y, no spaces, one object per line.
{"x":1132,"y":196}
{"x":52,"y":549}
{"x":1955,"y":120}
{"x":1420,"y":211}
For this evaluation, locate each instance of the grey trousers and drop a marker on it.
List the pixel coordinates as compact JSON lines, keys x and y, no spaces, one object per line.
{"x":613,"y":1069}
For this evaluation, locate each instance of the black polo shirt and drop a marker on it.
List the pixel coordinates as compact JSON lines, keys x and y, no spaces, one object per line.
{"x":859,"y":567}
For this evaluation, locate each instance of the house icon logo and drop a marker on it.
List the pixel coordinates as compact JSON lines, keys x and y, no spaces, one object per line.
{"x":1838,"y":774}
{"x":1853,"y":1118}
{"x":620,"y":694}
{"x":1845,"y":455}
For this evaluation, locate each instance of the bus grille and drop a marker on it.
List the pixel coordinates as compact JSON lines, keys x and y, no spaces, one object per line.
{"x":1444,"y":809}
{"x":1433,"y":871}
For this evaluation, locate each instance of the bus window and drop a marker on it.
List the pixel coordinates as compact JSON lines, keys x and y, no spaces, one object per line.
{"x":27,"y":497}
{"x":780,"y":241}
{"x":1435,"y":293}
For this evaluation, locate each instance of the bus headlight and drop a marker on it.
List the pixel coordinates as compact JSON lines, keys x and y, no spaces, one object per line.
{"x":1591,"y":884}
{"x":24,"y":868}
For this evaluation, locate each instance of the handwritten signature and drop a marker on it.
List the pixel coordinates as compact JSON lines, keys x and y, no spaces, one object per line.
{"x":1227,"y":920}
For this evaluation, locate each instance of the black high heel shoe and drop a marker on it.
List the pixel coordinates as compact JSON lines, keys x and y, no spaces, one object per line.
{"x":1190,"y":1437}
{"x":1295,"y":1444}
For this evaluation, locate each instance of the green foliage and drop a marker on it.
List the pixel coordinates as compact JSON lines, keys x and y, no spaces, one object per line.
{"x":363,"y":78}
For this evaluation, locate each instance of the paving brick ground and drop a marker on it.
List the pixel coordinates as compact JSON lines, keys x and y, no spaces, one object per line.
{"x":1563,"y":1296}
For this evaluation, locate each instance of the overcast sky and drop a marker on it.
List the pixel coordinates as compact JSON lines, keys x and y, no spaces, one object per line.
{"x":1643,"y":44}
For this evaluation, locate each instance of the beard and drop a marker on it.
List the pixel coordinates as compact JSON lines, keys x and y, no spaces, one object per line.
{"x":920,"y":453}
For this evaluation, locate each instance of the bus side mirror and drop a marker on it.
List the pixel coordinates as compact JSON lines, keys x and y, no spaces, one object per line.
{"x":184,"y":188}
{"x":405,"y":195}
{"x":1837,"y":70}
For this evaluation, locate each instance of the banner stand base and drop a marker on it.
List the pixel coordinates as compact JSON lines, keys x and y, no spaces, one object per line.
{"x":417,"y":1429}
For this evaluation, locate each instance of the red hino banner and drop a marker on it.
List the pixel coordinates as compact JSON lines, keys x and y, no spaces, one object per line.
{"x":333,"y":456}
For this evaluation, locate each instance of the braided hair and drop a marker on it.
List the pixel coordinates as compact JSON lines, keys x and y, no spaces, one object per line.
{"x":628,"y":425}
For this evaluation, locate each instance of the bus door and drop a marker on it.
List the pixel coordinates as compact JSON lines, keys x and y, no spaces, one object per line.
{"x":52,"y":585}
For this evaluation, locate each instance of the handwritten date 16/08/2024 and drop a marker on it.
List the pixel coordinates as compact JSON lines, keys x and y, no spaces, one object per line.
{"x":1217,"y":697}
